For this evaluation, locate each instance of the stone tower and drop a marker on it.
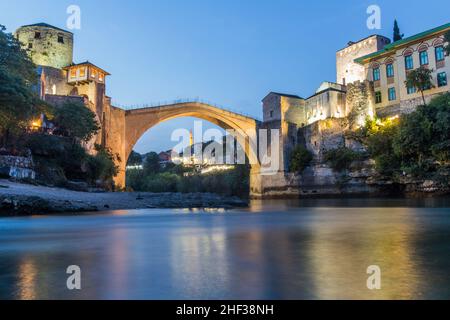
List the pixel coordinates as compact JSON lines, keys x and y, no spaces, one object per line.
{"x":347,"y":70}
{"x":47,"y":45}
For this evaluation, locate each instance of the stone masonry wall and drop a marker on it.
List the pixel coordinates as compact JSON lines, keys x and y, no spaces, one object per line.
{"x":17,"y":167}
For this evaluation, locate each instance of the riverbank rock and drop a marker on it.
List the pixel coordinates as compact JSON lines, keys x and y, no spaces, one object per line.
{"x":32,"y":205}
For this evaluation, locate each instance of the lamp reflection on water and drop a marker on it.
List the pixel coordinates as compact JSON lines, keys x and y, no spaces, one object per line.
{"x":27,"y":279}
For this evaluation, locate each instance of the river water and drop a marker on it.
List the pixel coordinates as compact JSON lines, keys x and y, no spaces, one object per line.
{"x":315,"y":249}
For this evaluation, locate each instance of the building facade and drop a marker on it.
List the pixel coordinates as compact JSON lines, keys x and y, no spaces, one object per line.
{"x":60,"y":79}
{"x":388,"y":68}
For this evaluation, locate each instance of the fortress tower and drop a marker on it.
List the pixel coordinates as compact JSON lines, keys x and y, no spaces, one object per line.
{"x":347,"y":70}
{"x":47,"y":45}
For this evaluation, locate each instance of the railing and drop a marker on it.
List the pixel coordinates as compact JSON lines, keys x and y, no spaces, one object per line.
{"x":179,"y":101}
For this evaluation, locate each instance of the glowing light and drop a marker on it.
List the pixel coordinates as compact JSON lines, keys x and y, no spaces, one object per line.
{"x":394,"y":118}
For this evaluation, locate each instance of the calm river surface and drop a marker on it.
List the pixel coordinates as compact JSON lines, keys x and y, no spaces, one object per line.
{"x":315,"y":249}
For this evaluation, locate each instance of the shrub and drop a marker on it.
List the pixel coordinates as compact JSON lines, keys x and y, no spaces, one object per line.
{"x":417,"y":143}
{"x":300,"y":159}
{"x":101,"y":166}
{"x":162,"y":182}
{"x":341,"y":158}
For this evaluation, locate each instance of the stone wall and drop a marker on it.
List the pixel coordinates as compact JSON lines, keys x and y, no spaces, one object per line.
{"x":347,"y":71}
{"x":17,"y":167}
{"x":47,"y":45}
{"x":360,"y":103}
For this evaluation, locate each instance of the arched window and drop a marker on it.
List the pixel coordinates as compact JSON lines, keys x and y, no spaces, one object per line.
{"x":440,"y":55}
{"x":409,"y":62}
{"x":423,"y":55}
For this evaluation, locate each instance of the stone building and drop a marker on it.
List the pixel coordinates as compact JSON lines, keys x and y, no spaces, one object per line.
{"x":347,"y":70}
{"x":371,"y":76}
{"x":60,"y":79}
{"x":387,"y":70}
{"x":47,"y":45}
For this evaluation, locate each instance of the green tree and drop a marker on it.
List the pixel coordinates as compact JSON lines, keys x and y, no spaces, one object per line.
{"x":300,"y":159}
{"x":397,"y":35}
{"x":378,"y":136}
{"x":421,"y":79}
{"x":19,"y":103}
{"x":135,"y":159}
{"x":447,"y":40}
{"x":16,"y":60}
{"x":76,"y":121}
{"x":341,"y":158}
{"x":102,"y":166}
{"x":151,"y":164}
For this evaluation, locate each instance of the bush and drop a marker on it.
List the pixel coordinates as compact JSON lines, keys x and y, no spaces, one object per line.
{"x":340,"y":159}
{"x":162,"y":182}
{"x":183,"y":179}
{"x":300,"y":159}
{"x":417,"y":143}
{"x":101,"y":166}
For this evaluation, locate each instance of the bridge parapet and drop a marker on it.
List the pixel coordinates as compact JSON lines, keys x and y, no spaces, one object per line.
{"x":178,"y":102}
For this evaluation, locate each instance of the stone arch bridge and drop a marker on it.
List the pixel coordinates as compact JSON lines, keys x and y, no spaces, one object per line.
{"x":126,"y":127}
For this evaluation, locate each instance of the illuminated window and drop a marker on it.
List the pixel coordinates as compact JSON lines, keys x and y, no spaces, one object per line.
{"x":390,"y":70}
{"x":376,"y":74}
{"x":82,"y":72}
{"x":442,"y":79}
{"x":391,"y":94}
{"x":440,"y":53}
{"x":100,"y":76}
{"x":73,"y":73}
{"x":378,"y":97}
{"x":423,"y":58}
{"x":409,"y":63}
{"x":93,"y":73}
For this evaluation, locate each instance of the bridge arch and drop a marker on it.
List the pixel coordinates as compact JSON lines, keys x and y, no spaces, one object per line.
{"x":138,"y":121}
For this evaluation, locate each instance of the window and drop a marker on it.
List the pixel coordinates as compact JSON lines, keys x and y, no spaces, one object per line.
{"x":411,"y":90}
{"x":60,"y":39}
{"x":440,"y":56}
{"x":37,"y":35}
{"x":82,"y":72}
{"x":376,"y":74}
{"x":442,"y":79}
{"x":30,"y":46}
{"x":391,"y":94}
{"x":409,"y":63}
{"x":73,"y":73}
{"x":390,"y":70}
{"x":271,"y":114}
{"x":423,"y":58}
{"x":378,"y":97}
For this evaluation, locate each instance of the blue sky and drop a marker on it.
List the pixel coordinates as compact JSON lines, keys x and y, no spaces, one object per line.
{"x":231,"y":52}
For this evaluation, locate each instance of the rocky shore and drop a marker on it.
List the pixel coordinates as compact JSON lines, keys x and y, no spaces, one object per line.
{"x":24,"y":199}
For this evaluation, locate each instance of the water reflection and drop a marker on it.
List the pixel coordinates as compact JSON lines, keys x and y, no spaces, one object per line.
{"x":27,"y":280}
{"x":341,"y":252}
{"x":288,"y":253}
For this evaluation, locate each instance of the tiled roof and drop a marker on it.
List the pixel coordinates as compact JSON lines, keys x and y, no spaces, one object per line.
{"x":399,"y":43}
